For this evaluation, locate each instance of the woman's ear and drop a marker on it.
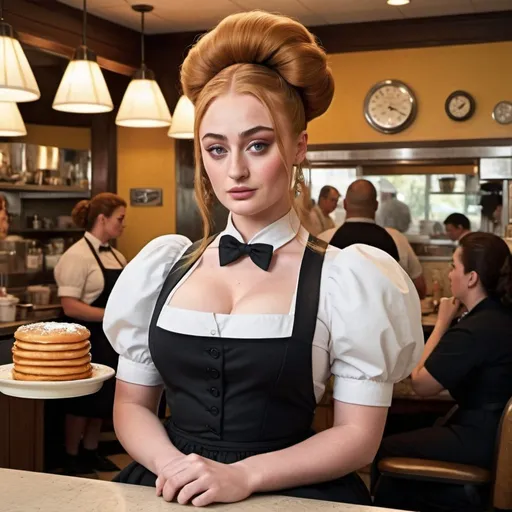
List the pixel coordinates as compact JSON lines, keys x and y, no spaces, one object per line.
{"x":302,"y":147}
{"x":473,"y":279}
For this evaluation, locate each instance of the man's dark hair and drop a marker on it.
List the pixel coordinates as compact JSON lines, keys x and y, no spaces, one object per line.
{"x":458,"y":219}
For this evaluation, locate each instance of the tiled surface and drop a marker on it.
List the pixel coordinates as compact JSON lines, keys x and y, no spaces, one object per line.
{"x":121,"y":460}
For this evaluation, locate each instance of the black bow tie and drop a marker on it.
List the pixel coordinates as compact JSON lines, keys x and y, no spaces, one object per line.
{"x":230,"y":249}
{"x":105,"y":248}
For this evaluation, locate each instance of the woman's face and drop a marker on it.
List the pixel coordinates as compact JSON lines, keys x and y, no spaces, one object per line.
{"x":242,"y":159}
{"x":114,"y":225}
{"x":460,"y":280}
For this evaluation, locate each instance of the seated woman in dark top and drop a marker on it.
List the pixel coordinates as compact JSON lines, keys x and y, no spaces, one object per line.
{"x":473,"y":361}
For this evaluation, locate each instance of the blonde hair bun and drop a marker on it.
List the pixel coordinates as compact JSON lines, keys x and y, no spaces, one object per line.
{"x":277,"y":42}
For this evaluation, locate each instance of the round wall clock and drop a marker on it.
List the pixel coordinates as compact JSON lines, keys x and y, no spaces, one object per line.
{"x":460,"y":106}
{"x":390,"y":106}
{"x":502,"y":112}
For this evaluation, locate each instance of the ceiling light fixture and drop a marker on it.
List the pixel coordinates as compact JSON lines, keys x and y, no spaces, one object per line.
{"x":83,"y":89}
{"x":17,"y":81}
{"x":143,"y":104}
{"x":182,"y":126}
{"x":11,"y":122}
{"x":397,"y":3}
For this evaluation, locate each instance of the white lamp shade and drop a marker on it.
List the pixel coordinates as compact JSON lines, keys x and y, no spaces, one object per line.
{"x":143,"y":106}
{"x":17,"y":81}
{"x":11,"y":122}
{"x":182,"y":126}
{"x":83,"y":89}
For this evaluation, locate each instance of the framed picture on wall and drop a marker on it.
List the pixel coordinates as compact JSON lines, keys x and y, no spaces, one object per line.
{"x":146,"y":197}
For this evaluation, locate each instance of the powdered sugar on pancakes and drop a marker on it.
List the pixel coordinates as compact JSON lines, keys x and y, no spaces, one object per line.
{"x":52,"y":332}
{"x":53,"y":328}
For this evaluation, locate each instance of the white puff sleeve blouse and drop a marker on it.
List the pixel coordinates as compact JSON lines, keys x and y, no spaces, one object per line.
{"x":368,"y":332}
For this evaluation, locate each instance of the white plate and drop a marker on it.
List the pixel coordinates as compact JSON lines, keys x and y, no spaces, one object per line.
{"x":53,"y":389}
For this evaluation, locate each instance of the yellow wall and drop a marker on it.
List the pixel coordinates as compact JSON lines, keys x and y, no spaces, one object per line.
{"x":146,"y":159}
{"x":58,"y":136}
{"x":433,"y":73}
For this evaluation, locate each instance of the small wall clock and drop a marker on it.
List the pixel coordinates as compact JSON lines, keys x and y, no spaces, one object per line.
{"x":502,"y":112}
{"x":460,"y":106}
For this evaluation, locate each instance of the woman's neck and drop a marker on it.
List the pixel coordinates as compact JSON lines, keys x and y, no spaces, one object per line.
{"x":250,"y":225}
{"x":474,"y":299}
{"x":99,"y":234}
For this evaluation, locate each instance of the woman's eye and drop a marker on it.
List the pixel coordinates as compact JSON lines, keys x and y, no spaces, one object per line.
{"x":216,"y":150}
{"x":258,"y":147}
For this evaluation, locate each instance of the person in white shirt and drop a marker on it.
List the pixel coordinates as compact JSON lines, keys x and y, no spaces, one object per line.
{"x":361,"y":205}
{"x":244,"y":329}
{"x":392,"y":212}
{"x":85,"y":275}
{"x":320,"y":215}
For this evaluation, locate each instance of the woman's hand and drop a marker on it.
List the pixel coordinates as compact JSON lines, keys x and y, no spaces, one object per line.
{"x":449,"y":308}
{"x":194,"y":479}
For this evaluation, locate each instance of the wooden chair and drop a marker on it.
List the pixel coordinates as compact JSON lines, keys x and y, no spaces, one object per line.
{"x":470,"y":476}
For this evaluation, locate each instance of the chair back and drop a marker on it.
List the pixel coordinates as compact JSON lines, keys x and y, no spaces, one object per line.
{"x":502,"y":490}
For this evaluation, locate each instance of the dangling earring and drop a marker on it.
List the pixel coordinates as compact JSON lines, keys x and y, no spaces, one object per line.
{"x":298,"y":179}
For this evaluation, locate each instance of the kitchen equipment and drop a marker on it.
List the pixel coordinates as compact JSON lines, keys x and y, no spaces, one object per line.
{"x":13,"y":256}
{"x":51,"y":256}
{"x":8,"y":308}
{"x":35,"y":222}
{"x":34,"y":257}
{"x":47,"y":223}
{"x":39,"y":295}
{"x":446,"y":185}
{"x":23,"y":310}
{"x":64,"y":221}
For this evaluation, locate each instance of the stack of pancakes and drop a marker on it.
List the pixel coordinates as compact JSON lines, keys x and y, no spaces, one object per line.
{"x":52,"y":351}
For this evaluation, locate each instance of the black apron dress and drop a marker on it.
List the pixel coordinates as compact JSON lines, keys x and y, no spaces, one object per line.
{"x":234,"y":398}
{"x":100,"y":404}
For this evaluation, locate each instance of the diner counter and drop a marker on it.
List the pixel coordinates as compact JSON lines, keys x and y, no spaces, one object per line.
{"x":22,"y":491}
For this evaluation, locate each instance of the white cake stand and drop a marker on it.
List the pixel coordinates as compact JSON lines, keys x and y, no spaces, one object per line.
{"x":53,"y":389}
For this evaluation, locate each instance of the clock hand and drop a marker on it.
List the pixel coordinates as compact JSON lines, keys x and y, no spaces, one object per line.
{"x":390,"y":107}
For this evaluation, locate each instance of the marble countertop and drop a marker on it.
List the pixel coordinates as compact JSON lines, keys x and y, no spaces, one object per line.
{"x":23,"y":491}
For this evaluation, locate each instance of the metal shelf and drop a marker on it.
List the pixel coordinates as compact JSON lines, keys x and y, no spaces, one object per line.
{"x":45,"y":191}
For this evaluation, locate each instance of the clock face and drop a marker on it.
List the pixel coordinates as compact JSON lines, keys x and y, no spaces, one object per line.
{"x":460,"y":106}
{"x":390,"y":106}
{"x":502,"y":112}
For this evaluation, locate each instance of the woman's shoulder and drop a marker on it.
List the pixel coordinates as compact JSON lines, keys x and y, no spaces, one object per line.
{"x":163,"y":250}
{"x":76,"y":253}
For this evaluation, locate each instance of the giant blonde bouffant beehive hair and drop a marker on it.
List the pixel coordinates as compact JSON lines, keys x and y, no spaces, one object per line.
{"x":276,"y":42}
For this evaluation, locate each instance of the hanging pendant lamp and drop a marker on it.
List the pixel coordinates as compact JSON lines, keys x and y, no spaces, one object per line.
{"x":83,"y":89}
{"x":11,"y":122}
{"x":182,"y":125}
{"x":17,"y":81}
{"x":143,"y":104}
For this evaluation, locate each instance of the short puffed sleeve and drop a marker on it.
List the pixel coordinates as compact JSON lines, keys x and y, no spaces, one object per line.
{"x":375,"y":325}
{"x":131,"y":304}
{"x":71,"y":273}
